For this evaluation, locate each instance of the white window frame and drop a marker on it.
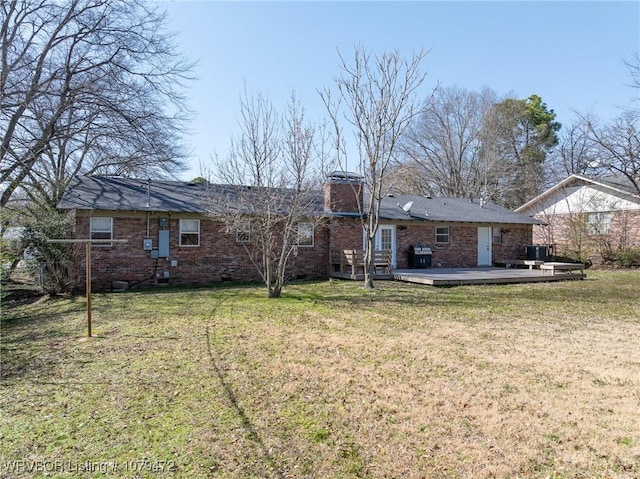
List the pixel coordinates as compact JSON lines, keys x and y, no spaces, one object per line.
{"x":496,"y":235}
{"x":94,"y":229}
{"x":243,"y":232}
{"x":447,"y":234}
{"x":311,"y":233}
{"x":188,"y":231}
{"x":598,"y":223}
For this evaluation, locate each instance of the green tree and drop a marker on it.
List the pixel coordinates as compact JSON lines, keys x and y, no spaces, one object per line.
{"x":519,"y":135}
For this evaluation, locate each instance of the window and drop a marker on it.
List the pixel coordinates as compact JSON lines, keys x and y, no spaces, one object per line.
{"x":442,"y":234}
{"x":305,"y":234}
{"x":497,"y":235}
{"x":243,"y":233}
{"x":189,"y":232}
{"x":101,"y":229}
{"x":598,"y":223}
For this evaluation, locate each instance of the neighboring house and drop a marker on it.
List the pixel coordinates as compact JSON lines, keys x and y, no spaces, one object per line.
{"x":587,"y":218}
{"x":172,"y":240}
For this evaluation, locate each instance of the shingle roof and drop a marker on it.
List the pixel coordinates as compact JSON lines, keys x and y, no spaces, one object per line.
{"x":127,"y":194}
{"x":618,"y":182}
{"x":449,"y":210}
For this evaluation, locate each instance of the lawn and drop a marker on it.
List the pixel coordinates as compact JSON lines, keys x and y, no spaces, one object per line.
{"x":330,"y":381}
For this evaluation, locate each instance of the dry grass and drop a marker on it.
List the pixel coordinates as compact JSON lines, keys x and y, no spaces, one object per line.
{"x":538,"y":380}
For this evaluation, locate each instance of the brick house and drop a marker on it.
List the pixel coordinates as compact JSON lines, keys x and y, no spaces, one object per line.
{"x":587,"y":217}
{"x":171,"y":239}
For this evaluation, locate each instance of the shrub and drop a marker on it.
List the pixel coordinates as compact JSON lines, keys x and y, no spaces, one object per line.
{"x":53,"y":263}
{"x":628,"y":258}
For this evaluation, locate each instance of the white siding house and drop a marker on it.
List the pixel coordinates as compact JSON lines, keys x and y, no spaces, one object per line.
{"x":589,"y":218}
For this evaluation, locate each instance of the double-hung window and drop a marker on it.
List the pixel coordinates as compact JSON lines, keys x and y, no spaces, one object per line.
{"x":243,"y":232}
{"x":598,"y":223}
{"x":189,"y":232}
{"x":305,"y":234}
{"x":496,"y":235}
{"x":101,"y":228}
{"x":442,"y":235}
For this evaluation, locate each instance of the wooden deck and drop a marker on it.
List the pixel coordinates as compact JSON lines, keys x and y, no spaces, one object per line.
{"x":488,"y":275}
{"x":360,"y":276}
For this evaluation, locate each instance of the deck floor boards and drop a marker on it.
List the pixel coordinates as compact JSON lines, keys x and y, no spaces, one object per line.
{"x":488,"y":275}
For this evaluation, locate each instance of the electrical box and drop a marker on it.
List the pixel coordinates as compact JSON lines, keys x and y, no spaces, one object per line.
{"x":147,"y":244}
{"x":163,"y":223}
{"x":163,"y":243}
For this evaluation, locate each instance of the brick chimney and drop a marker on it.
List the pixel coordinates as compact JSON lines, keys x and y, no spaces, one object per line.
{"x":342,"y":192}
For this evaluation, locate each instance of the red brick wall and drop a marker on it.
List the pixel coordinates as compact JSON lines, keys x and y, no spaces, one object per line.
{"x":341,"y":196}
{"x":219,"y":257}
{"x":345,"y":233}
{"x":462,"y":249}
{"x":569,"y":235}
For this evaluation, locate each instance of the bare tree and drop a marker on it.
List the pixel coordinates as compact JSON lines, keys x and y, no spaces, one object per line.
{"x":89,"y":86}
{"x":272,"y":198}
{"x":618,"y":145}
{"x":575,"y":153}
{"x":376,"y":95}
{"x":634,"y":70}
{"x":445,"y":140}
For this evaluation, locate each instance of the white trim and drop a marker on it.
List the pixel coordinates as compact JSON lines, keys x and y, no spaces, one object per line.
{"x":567,"y":181}
{"x":101,"y":242}
{"x":435,"y":239}
{"x":189,"y":233}
{"x":485,"y":251}
{"x":313,"y":235}
{"x":244,"y":228}
{"x":378,"y":240}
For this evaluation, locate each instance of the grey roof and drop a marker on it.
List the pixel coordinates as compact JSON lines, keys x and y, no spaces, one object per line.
{"x":619,"y":182}
{"x":127,"y":194}
{"x":454,"y":210}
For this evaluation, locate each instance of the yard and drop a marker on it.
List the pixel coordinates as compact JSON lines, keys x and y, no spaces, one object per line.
{"x":331,"y":381}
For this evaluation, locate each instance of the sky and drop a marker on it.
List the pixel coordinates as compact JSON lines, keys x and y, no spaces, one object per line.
{"x":570,"y":53}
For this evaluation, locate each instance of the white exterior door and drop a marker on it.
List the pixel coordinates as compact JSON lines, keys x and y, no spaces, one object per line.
{"x":484,"y":246}
{"x":386,"y":240}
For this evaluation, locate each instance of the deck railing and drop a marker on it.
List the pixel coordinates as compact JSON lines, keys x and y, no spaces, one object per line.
{"x":350,"y":262}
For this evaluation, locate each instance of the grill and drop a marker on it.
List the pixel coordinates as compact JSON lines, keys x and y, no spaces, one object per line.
{"x":419,"y":256}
